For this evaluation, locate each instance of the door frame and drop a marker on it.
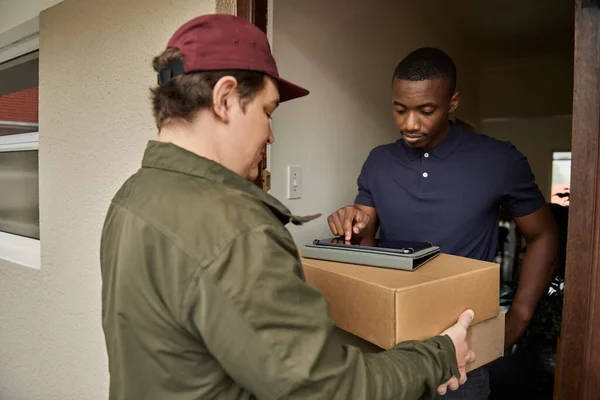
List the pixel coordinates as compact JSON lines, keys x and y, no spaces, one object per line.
{"x":578,"y":376}
{"x":256,"y":12}
{"x":579,"y":371}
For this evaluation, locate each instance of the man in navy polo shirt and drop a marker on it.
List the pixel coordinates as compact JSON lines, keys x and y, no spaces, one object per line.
{"x":444,"y":184}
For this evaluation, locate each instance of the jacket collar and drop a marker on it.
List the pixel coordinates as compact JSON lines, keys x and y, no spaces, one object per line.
{"x":442,"y":150}
{"x":169,"y":157}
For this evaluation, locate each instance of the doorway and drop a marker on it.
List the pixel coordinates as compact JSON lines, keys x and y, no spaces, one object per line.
{"x":578,"y":375}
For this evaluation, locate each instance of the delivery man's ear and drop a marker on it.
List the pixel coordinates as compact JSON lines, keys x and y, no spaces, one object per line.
{"x":224,"y":97}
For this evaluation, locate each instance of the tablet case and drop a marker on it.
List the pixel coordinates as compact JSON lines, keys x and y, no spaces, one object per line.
{"x":376,"y":257}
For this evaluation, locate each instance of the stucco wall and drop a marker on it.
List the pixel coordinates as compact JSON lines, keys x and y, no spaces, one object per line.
{"x":95,"y":119}
{"x":226,"y":6}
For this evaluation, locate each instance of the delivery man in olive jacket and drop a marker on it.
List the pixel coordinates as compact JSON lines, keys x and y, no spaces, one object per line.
{"x":203,"y":292}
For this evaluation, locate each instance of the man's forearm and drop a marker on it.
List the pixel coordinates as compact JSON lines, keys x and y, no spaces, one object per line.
{"x":536,"y":273}
{"x":411,"y":370}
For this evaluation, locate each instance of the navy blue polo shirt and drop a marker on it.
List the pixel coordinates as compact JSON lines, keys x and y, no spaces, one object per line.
{"x":450,"y":195}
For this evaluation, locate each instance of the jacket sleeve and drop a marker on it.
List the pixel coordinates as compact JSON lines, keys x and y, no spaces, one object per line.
{"x":272,"y":333}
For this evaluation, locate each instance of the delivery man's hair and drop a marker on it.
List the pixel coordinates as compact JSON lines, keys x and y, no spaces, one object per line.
{"x":425,"y":64}
{"x":184,"y":95}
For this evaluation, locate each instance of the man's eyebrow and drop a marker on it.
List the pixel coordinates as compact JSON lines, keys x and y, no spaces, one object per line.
{"x":432,"y":105}
{"x":275,"y":103}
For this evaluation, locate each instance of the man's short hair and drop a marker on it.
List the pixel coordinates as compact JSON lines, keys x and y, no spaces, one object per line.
{"x":184,"y":95}
{"x":427,"y":63}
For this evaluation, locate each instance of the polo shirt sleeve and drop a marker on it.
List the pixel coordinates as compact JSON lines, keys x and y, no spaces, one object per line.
{"x":521,"y":194}
{"x":364,"y":196}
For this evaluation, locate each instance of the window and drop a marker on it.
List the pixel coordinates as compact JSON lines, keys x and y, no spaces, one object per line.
{"x":19,"y":203}
{"x":561,"y":177}
{"x":19,"y":183}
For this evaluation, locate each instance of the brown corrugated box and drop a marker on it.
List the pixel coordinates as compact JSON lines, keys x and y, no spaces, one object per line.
{"x":486,"y":339}
{"x":387,"y":306}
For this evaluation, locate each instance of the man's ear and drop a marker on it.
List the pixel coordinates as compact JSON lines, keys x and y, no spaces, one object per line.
{"x":454,"y":101}
{"x":223,"y":97}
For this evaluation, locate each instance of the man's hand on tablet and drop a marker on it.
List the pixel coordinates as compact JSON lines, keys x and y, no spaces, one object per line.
{"x":348,"y":221}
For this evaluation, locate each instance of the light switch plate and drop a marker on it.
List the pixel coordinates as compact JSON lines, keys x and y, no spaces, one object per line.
{"x":294,"y":178}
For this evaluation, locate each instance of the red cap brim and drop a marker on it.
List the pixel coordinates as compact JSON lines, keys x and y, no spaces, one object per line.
{"x":289,"y":91}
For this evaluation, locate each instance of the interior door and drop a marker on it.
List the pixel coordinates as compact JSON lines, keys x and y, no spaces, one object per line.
{"x":256,"y":11}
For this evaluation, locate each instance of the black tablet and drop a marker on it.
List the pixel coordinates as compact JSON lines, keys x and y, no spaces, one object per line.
{"x":397,"y":246}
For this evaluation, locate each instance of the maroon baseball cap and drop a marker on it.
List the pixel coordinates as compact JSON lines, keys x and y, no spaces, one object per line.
{"x":224,"y":42}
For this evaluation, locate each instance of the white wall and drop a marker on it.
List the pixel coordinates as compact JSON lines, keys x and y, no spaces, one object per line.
{"x":528,"y":87}
{"x":536,"y":138}
{"x":345,"y":52}
{"x":528,"y":101}
{"x":95,"y":119}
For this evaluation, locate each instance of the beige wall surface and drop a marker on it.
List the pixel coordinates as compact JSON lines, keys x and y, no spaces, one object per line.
{"x":346,"y":55}
{"x":536,"y":138}
{"x":95,"y":119}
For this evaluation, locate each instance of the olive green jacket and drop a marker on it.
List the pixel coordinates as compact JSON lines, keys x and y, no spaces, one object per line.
{"x":204,"y":297}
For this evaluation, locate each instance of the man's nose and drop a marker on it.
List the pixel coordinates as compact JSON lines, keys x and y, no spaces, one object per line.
{"x":411,"y":123}
{"x":271,"y":138}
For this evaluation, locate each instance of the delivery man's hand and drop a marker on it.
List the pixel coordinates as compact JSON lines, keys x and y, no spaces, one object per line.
{"x":348,"y":221}
{"x":464,"y":356}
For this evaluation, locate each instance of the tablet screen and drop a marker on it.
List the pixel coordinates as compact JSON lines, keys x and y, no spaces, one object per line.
{"x":399,"y":246}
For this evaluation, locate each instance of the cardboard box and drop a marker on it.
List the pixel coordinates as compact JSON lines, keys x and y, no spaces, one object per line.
{"x":486,"y":339}
{"x":386,"y":306}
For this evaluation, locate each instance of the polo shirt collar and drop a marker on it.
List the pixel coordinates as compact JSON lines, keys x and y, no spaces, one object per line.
{"x":169,"y":157}
{"x":442,"y":150}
